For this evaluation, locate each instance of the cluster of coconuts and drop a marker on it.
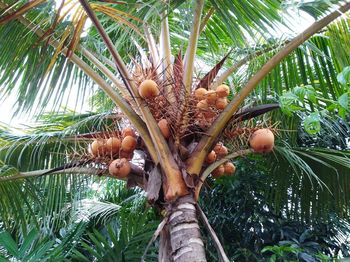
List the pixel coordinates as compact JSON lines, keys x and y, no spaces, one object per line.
{"x":218,"y":152}
{"x":261,"y":141}
{"x":114,"y":147}
{"x":211,"y":99}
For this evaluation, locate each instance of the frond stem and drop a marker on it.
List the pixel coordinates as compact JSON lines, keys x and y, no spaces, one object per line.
{"x":165,"y":50}
{"x":151,"y":45}
{"x":192,"y":46}
{"x":206,"y":19}
{"x":221,"y":252}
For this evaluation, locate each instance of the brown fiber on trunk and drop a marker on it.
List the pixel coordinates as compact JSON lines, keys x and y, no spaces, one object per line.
{"x":185,"y":237}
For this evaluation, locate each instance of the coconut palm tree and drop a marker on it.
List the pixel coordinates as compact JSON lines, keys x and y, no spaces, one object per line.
{"x":170,"y":110}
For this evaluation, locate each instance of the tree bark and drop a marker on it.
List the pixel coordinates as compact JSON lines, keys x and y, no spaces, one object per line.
{"x":185,"y":237}
{"x":164,"y":254}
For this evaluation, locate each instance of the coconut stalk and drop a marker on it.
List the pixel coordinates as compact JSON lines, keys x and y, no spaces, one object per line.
{"x":206,"y":19}
{"x":105,"y":70}
{"x":192,"y":46}
{"x":151,"y":45}
{"x":196,"y":159}
{"x":165,"y":56}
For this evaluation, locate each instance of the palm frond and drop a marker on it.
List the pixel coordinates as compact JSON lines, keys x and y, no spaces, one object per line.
{"x":311,"y":184}
{"x":16,"y":208}
{"x":36,"y":247}
{"x":43,"y":148}
{"x":118,"y":242}
{"x":102,"y":212}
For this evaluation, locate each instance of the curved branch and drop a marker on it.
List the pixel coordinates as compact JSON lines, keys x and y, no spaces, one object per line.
{"x":136,"y":174}
{"x":221,"y":252}
{"x":38,"y":173}
{"x":197,"y":157}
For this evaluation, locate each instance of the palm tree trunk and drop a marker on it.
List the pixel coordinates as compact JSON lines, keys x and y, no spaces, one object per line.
{"x":164,"y":254}
{"x":185,"y":237}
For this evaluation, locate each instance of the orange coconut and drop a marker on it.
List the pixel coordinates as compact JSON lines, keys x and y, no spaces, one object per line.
{"x":200,"y":93}
{"x":202,"y":105}
{"x":211,"y":97}
{"x":222,"y":91}
{"x":211,"y":157}
{"x":262,"y":140}
{"x":220,"y":150}
{"x":221,"y":103}
{"x":164,"y":128}
{"x":218,"y":172}
{"x":120,"y":168}
{"x":148,"y":89}
{"x":98,"y":147}
{"x":229,"y":168}
{"x":113,"y":145}
{"x":128,"y":144}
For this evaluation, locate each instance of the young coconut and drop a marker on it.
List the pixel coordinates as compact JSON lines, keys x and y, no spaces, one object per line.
{"x":218,"y":172}
{"x":164,"y":128}
{"x":128,"y":144}
{"x":128,"y":131}
{"x":222,"y":91}
{"x":200,"y":93}
{"x":262,"y":140}
{"x":113,"y":145}
{"x":211,"y":97}
{"x":220,"y":150}
{"x":148,"y":89}
{"x":221,"y":103}
{"x":120,"y":168}
{"x":98,"y":147}
{"x":230,"y":168}
{"x":211,"y":157}
{"x":203,"y":105}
